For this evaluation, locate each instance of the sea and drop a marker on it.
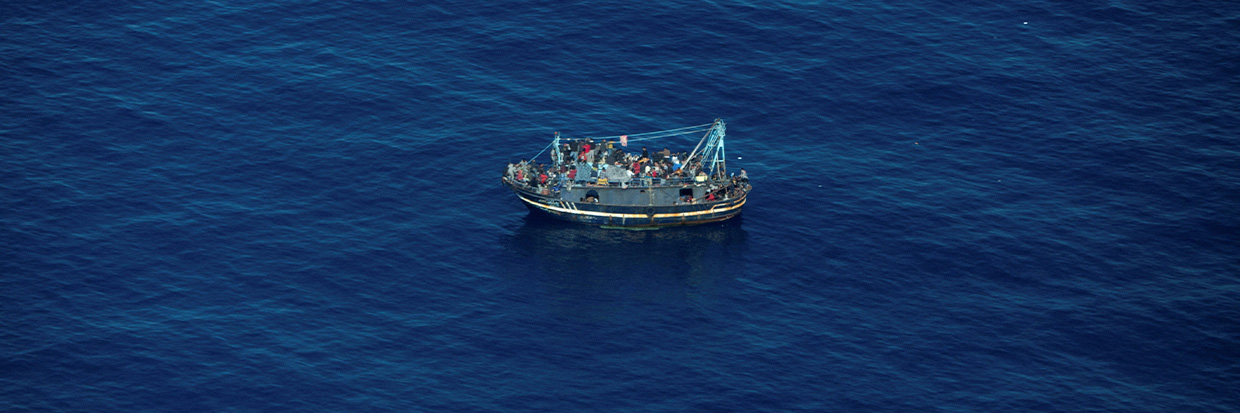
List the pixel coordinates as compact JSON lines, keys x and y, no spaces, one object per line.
{"x":295,"y":205}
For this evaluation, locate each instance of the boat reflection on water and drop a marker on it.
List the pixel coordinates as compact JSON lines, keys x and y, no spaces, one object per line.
{"x":596,"y":266}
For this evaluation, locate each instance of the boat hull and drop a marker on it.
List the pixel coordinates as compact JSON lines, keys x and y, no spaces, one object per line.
{"x":630,"y":216}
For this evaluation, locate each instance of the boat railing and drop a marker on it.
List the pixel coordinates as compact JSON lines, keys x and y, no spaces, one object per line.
{"x":638,"y":182}
{"x":652,"y":182}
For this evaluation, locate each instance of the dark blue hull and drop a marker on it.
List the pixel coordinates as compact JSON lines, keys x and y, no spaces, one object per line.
{"x":636,"y":216}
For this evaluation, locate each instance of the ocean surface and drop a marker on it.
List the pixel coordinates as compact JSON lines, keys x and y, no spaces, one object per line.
{"x":965,"y":206}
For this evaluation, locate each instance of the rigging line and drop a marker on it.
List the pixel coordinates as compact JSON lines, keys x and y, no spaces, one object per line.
{"x":635,"y":138}
{"x":668,"y":132}
{"x":708,"y":134}
{"x":650,"y":138}
{"x":702,"y":126}
{"x":544,"y":150}
{"x":676,"y":129}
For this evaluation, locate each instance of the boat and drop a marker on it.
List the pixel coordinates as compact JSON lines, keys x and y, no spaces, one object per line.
{"x":606,"y":182}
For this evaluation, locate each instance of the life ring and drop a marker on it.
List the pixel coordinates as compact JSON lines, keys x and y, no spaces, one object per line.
{"x":650,"y":212}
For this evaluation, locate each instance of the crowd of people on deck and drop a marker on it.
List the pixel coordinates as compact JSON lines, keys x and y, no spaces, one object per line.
{"x":587,"y":163}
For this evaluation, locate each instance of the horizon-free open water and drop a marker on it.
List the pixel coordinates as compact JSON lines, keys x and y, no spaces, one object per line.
{"x":294,"y":206}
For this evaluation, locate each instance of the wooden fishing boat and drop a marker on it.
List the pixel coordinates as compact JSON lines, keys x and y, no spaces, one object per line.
{"x":603,"y":181}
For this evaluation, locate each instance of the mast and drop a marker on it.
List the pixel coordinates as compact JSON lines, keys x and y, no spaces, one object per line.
{"x":559,"y":154}
{"x":713,"y":150}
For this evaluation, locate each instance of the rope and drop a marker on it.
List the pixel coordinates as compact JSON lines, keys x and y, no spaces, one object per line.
{"x":636,"y":137}
{"x":549,"y":145}
{"x":644,"y":136}
{"x":699,"y":145}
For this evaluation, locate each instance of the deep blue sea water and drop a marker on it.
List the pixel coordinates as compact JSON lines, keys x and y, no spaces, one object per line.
{"x":295,"y":206}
